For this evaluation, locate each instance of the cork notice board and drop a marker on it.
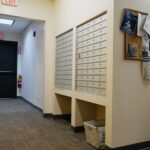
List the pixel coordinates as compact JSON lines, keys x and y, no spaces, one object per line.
{"x":133,"y":44}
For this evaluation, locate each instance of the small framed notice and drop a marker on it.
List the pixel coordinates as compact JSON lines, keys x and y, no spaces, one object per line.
{"x":133,"y":47}
{"x":9,"y":2}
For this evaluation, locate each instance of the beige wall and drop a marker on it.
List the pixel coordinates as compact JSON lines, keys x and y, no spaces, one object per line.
{"x":131,"y":101}
{"x":40,"y":10}
{"x":62,"y":105}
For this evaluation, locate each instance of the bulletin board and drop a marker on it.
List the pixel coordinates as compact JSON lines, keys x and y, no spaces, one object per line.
{"x":134,"y":43}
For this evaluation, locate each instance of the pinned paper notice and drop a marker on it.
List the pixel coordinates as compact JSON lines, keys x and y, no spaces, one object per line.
{"x":147,"y":24}
{"x":146,"y":46}
{"x":129,"y":22}
{"x":141,"y":22}
{"x":146,"y":69}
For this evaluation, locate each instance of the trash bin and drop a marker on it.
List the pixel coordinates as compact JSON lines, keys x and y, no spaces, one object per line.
{"x":95,"y":133}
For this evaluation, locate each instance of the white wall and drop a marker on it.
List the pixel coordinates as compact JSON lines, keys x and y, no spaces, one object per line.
{"x":131,"y":101}
{"x":32,"y":64}
{"x":17,"y":38}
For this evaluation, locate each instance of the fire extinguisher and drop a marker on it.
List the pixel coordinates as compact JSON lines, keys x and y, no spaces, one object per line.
{"x":19,"y":81}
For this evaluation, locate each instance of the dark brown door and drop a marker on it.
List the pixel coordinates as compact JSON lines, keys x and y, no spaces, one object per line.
{"x":8,"y":69}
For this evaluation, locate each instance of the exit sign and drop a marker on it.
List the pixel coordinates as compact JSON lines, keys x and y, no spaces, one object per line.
{"x":10,"y":2}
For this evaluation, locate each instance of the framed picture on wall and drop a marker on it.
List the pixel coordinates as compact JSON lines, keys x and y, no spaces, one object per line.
{"x":133,"y":47}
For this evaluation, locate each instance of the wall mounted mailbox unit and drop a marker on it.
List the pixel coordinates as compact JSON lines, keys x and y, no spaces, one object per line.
{"x":64,"y":47}
{"x":91,"y":56}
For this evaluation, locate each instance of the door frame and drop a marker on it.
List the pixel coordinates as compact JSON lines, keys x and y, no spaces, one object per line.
{"x":14,"y":43}
{"x":45,"y":84}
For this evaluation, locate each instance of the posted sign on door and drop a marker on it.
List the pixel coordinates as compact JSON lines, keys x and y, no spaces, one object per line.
{"x":10,"y":2}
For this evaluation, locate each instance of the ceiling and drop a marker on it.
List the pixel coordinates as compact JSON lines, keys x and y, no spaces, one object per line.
{"x":19,"y":25}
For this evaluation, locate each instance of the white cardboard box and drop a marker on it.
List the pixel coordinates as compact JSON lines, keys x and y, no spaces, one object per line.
{"x":95,"y":133}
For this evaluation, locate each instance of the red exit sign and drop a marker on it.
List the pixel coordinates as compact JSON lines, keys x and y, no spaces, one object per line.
{"x":10,"y":2}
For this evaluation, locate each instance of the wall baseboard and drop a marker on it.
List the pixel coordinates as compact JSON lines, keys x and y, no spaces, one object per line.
{"x":47,"y":115}
{"x":20,"y":97}
{"x":138,"y":146}
{"x":63,"y":116}
{"x":77,"y":129}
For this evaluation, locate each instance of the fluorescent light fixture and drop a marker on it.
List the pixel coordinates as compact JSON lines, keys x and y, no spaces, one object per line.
{"x":6,"y":21}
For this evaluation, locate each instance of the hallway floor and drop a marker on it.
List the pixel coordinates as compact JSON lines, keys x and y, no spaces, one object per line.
{"x":22,"y":127}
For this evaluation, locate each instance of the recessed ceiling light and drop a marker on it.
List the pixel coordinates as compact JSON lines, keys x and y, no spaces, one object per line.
{"x":6,"y":21}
